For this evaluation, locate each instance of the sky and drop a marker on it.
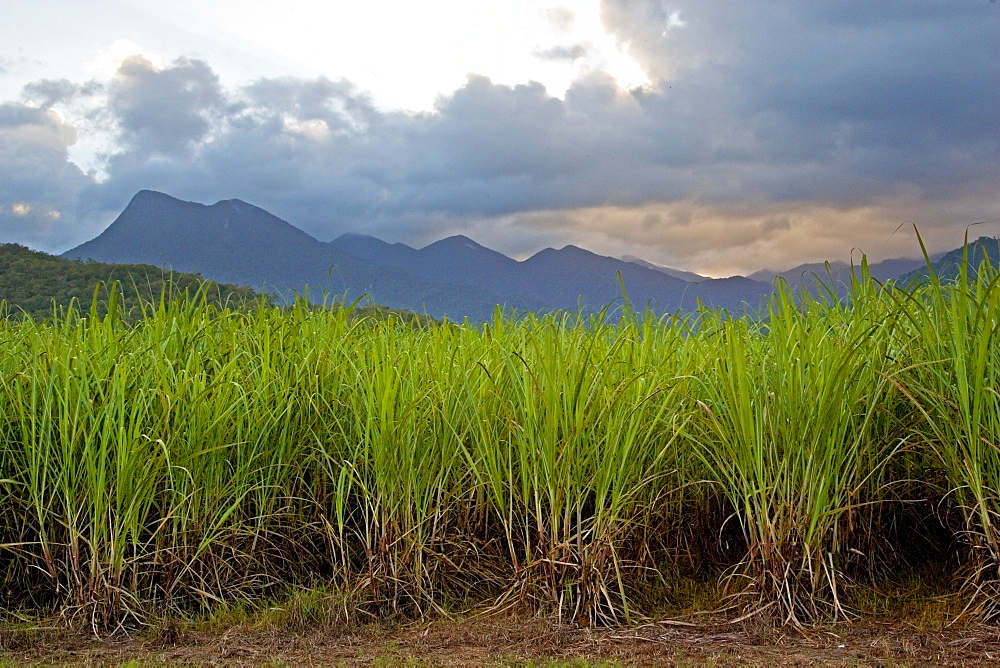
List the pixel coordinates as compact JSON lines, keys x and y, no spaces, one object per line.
{"x":711,"y":136}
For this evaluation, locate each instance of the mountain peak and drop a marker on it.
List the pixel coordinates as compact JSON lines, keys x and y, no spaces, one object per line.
{"x":569,"y":250}
{"x":355,"y":236}
{"x":237,"y":204}
{"x":144,"y":195}
{"x":689,"y":276}
{"x":159,"y":229}
{"x":145,"y":198}
{"x":566,"y":252}
{"x":455,"y":241}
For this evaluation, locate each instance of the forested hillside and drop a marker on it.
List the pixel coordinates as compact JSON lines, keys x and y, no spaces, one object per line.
{"x":32,"y":282}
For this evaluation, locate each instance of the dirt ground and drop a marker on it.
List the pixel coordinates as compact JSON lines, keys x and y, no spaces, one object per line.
{"x":516,"y":640}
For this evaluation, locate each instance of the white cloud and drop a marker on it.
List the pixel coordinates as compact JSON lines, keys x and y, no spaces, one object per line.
{"x":405,"y":53}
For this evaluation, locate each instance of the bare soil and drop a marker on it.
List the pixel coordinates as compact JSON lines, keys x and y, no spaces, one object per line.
{"x":510,"y":639}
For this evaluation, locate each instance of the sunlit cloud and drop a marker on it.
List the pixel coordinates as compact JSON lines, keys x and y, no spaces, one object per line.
{"x":109,"y":60}
{"x":720,"y":240}
{"x":314,"y":129}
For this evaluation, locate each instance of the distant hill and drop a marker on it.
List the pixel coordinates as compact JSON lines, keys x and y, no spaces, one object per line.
{"x":568,"y":278}
{"x":455,"y":260}
{"x":561,"y":274}
{"x":31,"y":282}
{"x":689,"y":276}
{"x":840,"y":272}
{"x":947,"y":265}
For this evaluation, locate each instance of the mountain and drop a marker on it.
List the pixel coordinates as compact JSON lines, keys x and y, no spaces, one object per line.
{"x":568,"y":278}
{"x":562,"y":276}
{"x":839,"y":272}
{"x":947,"y":265}
{"x":372,"y":249}
{"x":31,"y":282}
{"x":235,"y":242}
{"x":676,"y":273}
{"x":457,"y":259}
{"x":805,"y":272}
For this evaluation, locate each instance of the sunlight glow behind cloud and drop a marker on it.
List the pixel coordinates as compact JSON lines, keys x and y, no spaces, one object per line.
{"x":407,"y":54}
{"x":110,"y":59}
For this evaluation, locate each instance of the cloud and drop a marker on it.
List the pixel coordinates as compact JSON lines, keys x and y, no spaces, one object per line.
{"x":892,"y":91}
{"x":164,"y":110}
{"x":562,"y":52}
{"x":37,"y":180}
{"x":767,"y":135}
{"x":50,"y":92}
{"x":34,"y":144}
{"x":728,"y":239}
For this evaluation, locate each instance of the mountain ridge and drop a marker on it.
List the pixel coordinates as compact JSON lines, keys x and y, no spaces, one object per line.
{"x":232,"y":241}
{"x":565,"y":278}
{"x":235,"y":242}
{"x":948,"y":265}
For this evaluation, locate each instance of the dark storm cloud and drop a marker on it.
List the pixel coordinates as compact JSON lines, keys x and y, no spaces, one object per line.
{"x":39,"y":186}
{"x":312,"y":150}
{"x":50,"y":92}
{"x":339,"y":104}
{"x":34,"y":147}
{"x":164,"y":110}
{"x":321,"y":146}
{"x":892,"y":91}
{"x":831,"y":105}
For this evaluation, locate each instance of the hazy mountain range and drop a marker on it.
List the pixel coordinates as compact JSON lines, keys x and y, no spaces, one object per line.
{"x":235,"y":242}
